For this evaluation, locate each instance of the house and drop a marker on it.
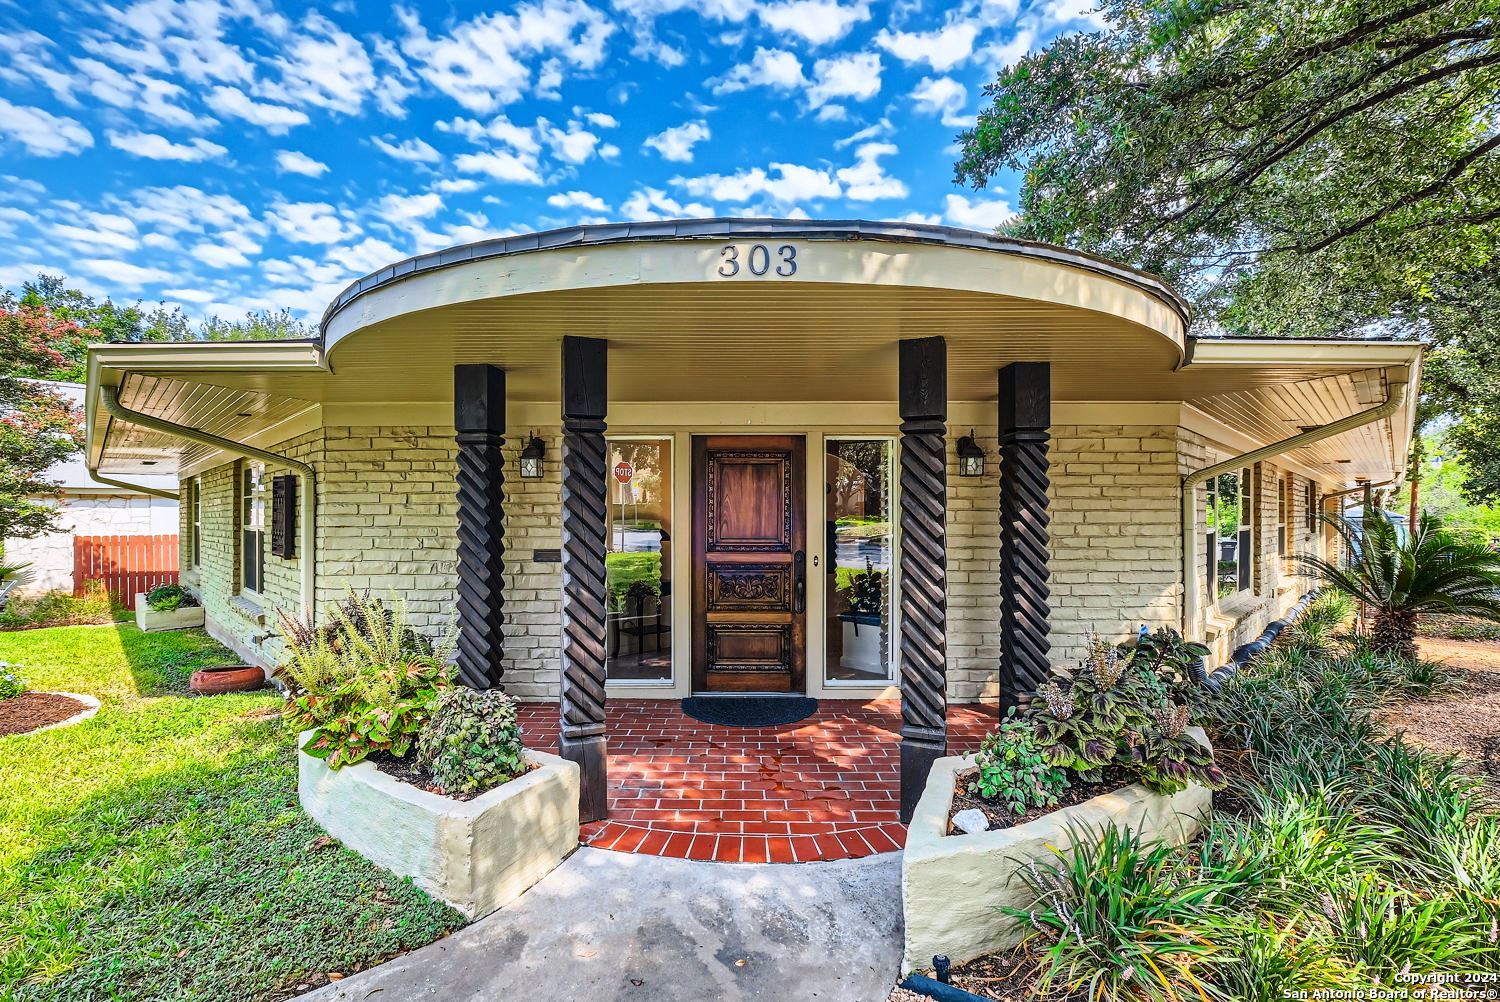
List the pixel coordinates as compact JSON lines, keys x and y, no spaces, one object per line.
{"x":121,"y":513}
{"x":856,"y":460}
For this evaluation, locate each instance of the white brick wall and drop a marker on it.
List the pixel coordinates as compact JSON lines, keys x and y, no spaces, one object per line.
{"x":51,"y":555}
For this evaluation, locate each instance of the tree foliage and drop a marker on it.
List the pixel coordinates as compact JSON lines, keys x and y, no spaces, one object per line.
{"x":1328,"y":169}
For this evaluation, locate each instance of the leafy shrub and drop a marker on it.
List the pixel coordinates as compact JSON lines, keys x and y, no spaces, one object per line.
{"x":1167,"y":758}
{"x":1013,"y":770}
{"x":472,"y":741}
{"x":364,"y":682}
{"x":169,"y":597}
{"x":864,"y":590}
{"x":58,"y":608}
{"x":11,"y":682}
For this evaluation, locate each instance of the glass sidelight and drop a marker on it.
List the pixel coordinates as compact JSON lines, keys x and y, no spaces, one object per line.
{"x":858,"y":559}
{"x":638,"y":561}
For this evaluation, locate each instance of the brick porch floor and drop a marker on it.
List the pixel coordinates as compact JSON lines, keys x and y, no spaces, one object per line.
{"x":825,"y":788}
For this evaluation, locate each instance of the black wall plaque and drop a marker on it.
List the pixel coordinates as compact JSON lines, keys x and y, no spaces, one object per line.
{"x":547,"y":556}
{"x":284,"y":516}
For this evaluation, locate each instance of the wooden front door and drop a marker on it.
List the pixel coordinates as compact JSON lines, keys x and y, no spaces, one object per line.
{"x":749,"y":563}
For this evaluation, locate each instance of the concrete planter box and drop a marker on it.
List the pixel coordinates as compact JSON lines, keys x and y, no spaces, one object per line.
{"x":954,"y":886}
{"x":150,"y":621}
{"x":477,"y":855}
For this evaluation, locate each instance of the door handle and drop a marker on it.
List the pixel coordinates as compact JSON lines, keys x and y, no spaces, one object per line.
{"x":799,"y":583}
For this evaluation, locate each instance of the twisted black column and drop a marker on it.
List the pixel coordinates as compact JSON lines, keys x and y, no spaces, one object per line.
{"x":924,"y":561}
{"x":584,"y":518}
{"x":1025,"y":616}
{"x":479,"y":419}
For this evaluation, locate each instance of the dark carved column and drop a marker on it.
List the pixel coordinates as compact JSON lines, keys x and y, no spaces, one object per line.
{"x":924,"y":562}
{"x":479,"y":419}
{"x":1025,"y":616}
{"x":584,"y":501}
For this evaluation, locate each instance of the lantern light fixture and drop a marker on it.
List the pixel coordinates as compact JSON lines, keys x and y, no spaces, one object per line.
{"x":970,"y":456}
{"x":531,"y":458}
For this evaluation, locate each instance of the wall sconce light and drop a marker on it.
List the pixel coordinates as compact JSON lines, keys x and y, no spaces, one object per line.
{"x":970,"y":456}
{"x":531,"y":459}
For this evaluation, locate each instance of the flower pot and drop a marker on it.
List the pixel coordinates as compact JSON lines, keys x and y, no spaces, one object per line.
{"x":150,"y":620}
{"x":228,"y":678}
{"x":861,"y":648}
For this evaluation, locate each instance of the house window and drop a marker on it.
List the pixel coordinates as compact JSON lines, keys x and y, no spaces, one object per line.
{"x":253,"y":483}
{"x":1230,"y":533}
{"x":195,"y":512}
{"x":1310,"y":505}
{"x":638,"y":562}
{"x":858,"y":476}
{"x":1283,"y":502}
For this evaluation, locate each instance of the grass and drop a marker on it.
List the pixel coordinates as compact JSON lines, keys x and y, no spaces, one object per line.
{"x":157,"y":851}
{"x":627,"y":568}
{"x":58,"y":608}
{"x":1341,"y":858}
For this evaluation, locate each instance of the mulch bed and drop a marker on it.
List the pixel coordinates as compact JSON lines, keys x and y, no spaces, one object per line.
{"x":1006,"y":977}
{"x":1001,"y":816}
{"x":407,"y":771}
{"x":30,"y":710}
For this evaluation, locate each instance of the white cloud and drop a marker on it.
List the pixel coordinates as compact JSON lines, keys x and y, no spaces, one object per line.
{"x":324,"y":67}
{"x":185,"y":208}
{"x":653,"y":203}
{"x":574,"y":145}
{"x":151,"y":146}
{"x":791,"y":184}
{"x":817,"y":21}
{"x":502,"y":165}
{"x":195,"y":296}
{"x":97,"y":237}
{"x":977,"y":214}
{"x":42,"y":133}
{"x":294,"y":162}
{"x":310,"y":223}
{"x":997,"y":56}
{"x":942,"y":96}
{"x":402,"y":208}
{"x":414,"y":150}
{"x":676,"y":144}
{"x":878,"y":130}
{"x":867,"y":180}
{"x":577,"y":200}
{"x":220,"y":256}
{"x":481,"y":63}
{"x":854,"y":75}
{"x":774,"y":68}
{"x":456,"y":185}
{"x":187,"y":36}
{"x":124,"y":274}
{"x":274,"y":118}
{"x":941,"y":49}
{"x":600,"y":120}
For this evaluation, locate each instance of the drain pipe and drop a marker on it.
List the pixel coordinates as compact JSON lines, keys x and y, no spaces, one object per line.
{"x":109,"y":396}
{"x":155,"y":492}
{"x":1395,"y":397}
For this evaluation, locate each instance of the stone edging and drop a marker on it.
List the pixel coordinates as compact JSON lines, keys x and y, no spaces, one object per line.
{"x":90,"y":707}
{"x":1245,"y":652}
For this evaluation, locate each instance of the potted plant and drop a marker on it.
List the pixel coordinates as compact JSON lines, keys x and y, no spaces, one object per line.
{"x":420,"y":775}
{"x":167,"y":607}
{"x":864,"y":592}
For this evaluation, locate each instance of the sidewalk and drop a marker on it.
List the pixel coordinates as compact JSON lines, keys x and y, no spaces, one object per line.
{"x":611,"y":925}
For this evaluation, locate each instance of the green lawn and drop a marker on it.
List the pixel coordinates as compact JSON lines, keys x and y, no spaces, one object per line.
{"x":158,"y":852}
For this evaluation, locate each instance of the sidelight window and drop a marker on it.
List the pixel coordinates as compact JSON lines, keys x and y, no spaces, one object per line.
{"x":1230,"y":520}
{"x":638,"y":561}
{"x":858,"y":557}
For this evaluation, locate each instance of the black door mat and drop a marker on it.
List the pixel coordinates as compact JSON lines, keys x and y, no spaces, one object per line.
{"x":749,"y":711}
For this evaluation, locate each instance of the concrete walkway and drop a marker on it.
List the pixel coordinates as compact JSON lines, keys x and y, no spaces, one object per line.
{"x":613,"y":925}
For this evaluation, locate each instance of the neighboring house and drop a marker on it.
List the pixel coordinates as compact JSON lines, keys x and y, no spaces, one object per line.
{"x":89,"y":509}
{"x":736,"y":450}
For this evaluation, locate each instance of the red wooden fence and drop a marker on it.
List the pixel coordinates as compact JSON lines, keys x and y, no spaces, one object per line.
{"x":126,"y":564}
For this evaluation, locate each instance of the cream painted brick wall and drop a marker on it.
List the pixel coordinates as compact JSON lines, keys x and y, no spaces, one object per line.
{"x":51,"y":556}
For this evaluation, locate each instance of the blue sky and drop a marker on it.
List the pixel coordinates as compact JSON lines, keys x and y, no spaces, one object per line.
{"x":227,"y":155}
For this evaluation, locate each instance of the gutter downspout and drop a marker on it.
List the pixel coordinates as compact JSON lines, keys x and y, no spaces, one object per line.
{"x":1395,"y":397}
{"x":155,"y":492}
{"x":307,"y":502}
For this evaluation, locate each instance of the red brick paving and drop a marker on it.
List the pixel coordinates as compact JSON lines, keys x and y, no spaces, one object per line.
{"x":827,"y":787}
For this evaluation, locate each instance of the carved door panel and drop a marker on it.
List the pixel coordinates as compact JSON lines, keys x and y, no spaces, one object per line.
{"x":749,"y":563}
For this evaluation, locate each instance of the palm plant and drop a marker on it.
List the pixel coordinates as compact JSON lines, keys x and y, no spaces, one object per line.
{"x":1401,"y":577}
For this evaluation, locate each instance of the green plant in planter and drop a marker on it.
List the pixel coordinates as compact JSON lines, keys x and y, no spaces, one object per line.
{"x":363,"y":683}
{"x":1169,"y":657}
{"x":1166,"y":757}
{"x":1013,"y":769}
{"x":169,"y":597}
{"x":1082,"y":729}
{"x":472,"y":741}
{"x":11,"y":682}
{"x":863,"y":590}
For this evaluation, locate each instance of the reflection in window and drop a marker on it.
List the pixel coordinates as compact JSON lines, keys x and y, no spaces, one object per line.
{"x":638,"y":561}
{"x":252,"y":526}
{"x":1229,"y":536}
{"x":858,"y":560}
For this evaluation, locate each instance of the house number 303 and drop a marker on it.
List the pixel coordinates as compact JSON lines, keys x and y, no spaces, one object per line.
{"x":758,"y":259}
